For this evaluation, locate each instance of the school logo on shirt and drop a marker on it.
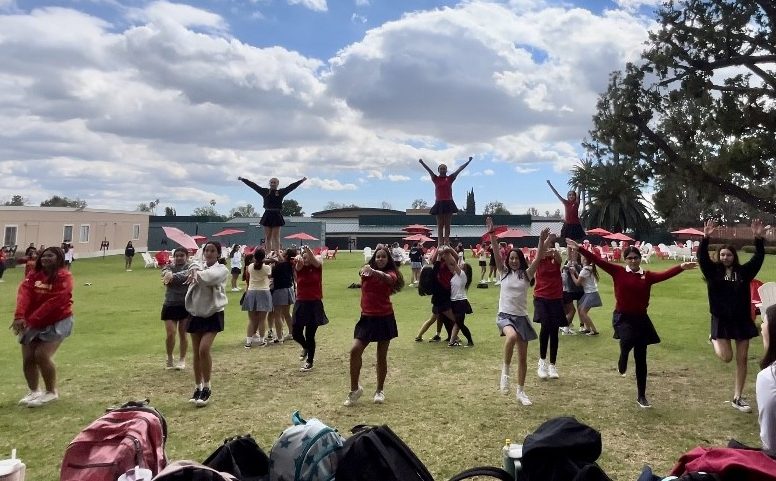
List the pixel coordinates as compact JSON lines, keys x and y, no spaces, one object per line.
{"x":40,"y":285}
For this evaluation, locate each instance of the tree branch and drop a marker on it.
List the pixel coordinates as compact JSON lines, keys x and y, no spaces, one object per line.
{"x":743,"y":90}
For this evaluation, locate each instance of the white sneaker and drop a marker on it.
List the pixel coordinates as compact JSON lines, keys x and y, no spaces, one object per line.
{"x":552,"y":372}
{"x":503,"y":385}
{"x":31,"y":396}
{"x":542,"y":370}
{"x":44,"y":398}
{"x":288,"y":337}
{"x":497,"y":282}
{"x":379,"y":397}
{"x":180,"y":365}
{"x":169,"y":366}
{"x":236,"y":289}
{"x":523,"y":398}
{"x":353,"y":396}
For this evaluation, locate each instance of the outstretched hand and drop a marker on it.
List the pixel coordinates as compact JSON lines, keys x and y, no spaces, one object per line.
{"x":757,"y":227}
{"x":686,"y":266}
{"x":709,"y":227}
{"x":489,"y":224}
{"x":572,"y":243}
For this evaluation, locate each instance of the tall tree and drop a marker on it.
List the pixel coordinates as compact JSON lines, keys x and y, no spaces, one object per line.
{"x":700,"y":106}
{"x":143,"y":207}
{"x":57,"y":201}
{"x":419,"y":204}
{"x":331,"y":205}
{"x":16,"y":200}
{"x":244,"y":211}
{"x":495,"y":208}
{"x":386,"y":205}
{"x":169,"y":212}
{"x":470,"y":206}
{"x":206,"y":211}
{"x":532,"y":211}
{"x":291,"y":208}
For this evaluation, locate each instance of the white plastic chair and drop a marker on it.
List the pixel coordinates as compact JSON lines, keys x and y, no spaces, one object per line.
{"x":767,"y":293}
{"x":149,"y":260}
{"x":367,"y":254}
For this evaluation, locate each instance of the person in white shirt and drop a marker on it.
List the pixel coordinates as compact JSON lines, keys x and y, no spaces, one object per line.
{"x":235,"y":258}
{"x":588,"y":280}
{"x":766,"y":383}
{"x":459,"y":283}
{"x":516,"y":277}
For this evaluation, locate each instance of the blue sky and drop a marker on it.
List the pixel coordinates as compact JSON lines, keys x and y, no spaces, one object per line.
{"x":122,"y":102}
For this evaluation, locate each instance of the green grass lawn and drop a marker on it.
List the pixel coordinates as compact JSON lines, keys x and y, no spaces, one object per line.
{"x":443,"y":402}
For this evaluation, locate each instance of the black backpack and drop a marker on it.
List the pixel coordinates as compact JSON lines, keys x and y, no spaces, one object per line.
{"x":376,"y":453}
{"x":241,"y":457}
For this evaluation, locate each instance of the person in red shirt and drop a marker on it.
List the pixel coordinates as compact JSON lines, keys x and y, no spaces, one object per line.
{"x":548,"y":308}
{"x":632,"y":326}
{"x":379,"y":279}
{"x":308,"y":313}
{"x":444,"y":207}
{"x":2,"y":263}
{"x":572,"y":227}
{"x":42,"y":320}
{"x":29,"y":264}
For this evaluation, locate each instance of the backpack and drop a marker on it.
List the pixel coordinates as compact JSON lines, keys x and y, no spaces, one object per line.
{"x":426,"y":280}
{"x":129,"y":436}
{"x":307,"y":451}
{"x":240,"y":456}
{"x":376,"y":453}
{"x":191,"y":471}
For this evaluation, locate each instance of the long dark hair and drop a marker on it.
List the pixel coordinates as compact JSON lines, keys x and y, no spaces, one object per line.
{"x":522,"y":265}
{"x":235,"y":248}
{"x":389,"y":267}
{"x":467,"y":269}
{"x":59,"y":264}
{"x":769,"y":357}
{"x":258,"y":258}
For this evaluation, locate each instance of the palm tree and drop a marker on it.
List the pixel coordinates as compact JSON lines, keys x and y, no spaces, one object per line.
{"x":614,"y":194}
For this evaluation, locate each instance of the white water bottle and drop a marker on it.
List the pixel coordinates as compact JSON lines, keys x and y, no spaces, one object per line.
{"x":12,"y":469}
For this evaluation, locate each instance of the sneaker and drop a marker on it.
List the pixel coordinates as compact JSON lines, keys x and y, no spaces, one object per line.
{"x":418,"y":339}
{"x":591,"y":333}
{"x":436,"y":338}
{"x":552,"y":372}
{"x":196,"y":395}
{"x":497,"y":283}
{"x":169,"y":366}
{"x":523,"y":398}
{"x":353,"y":396}
{"x":248,"y":343}
{"x":270,"y":335}
{"x":469,"y":344}
{"x":584,"y":331}
{"x":31,"y":396}
{"x":288,"y":337}
{"x":203,"y":398}
{"x":44,"y":398}
{"x":379,"y":397}
{"x":622,"y":365}
{"x":541,"y":371}
{"x":276,"y":341}
{"x":503,"y":385}
{"x":180,"y":365}
{"x":741,"y":405}
{"x":259,"y":343}
{"x":455,"y":343}
{"x":307,"y":367}
{"x":303,"y":355}
{"x":642,"y":402}
{"x":236,"y":289}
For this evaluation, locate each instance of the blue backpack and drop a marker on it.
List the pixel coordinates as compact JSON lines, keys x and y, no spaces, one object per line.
{"x":307,"y":451}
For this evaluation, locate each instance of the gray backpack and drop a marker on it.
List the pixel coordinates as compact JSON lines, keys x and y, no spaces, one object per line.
{"x":307,"y":451}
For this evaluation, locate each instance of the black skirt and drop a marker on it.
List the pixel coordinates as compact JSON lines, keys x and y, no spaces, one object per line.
{"x":572,"y":231}
{"x":461,"y":307}
{"x":272,"y":218}
{"x":634,"y":328}
{"x":549,"y":313}
{"x":444,"y":207}
{"x":440,"y":300}
{"x":214,"y":323}
{"x":376,"y":328}
{"x":733,"y":329}
{"x":309,"y":313}
{"x":174,"y":313}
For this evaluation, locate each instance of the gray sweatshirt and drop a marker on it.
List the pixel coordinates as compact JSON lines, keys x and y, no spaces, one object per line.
{"x":176,"y":289}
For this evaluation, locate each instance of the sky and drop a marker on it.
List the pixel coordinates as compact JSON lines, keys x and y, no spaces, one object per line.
{"x":121,"y":102}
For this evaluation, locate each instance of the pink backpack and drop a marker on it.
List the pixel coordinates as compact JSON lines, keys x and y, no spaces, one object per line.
{"x":132,"y":435}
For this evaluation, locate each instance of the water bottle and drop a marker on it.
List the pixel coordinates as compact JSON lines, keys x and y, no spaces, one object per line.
{"x":12,"y":469}
{"x":506,"y":460}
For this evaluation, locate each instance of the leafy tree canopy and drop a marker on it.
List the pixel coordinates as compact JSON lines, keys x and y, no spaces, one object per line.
{"x":291,"y":208}
{"x":57,"y":201}
{"x":495,"y":208}
{"x":16,"y":200}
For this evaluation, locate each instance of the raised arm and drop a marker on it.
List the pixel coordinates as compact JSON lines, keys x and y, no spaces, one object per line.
{"x":260,"y":190}
{"x":704,"y":260}
{"x":541,"y":251}
{"x":753,"y":265}
{"x":285,"y":190}
{"x":313,"y":258}
{"x":500,"y":266}
{"x":458,"y":171}
{"x":428,"y":169}
{"x":560,"y":197}
{"x":607,"y":267}
{"x":655,"y":277}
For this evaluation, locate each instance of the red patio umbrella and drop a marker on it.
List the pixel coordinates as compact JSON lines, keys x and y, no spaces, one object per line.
{"x":619,"y":236}
{"x":418,"y":238}
{"x":199,"y":239}
{"x":598,"y":231}
{"x":227,"y":232}
{"x":416,"y":229}
{"x":301,"y":236}
{"x":498,"y":230}
{"x":182,"y":238}
{"x":688,"y":231}
{"x":511,"y":234}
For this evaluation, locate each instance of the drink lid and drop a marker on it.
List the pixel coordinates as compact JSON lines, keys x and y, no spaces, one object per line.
{"x":8,"y":466}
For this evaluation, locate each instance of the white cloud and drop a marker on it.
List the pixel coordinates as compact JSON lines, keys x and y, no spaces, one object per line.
{"x":636,"y":4}
{"x":316,"y":5}
{"x":330,"y":184}
{"x":8,"y":5}
{"x":362,"y":3}
{"x":356,"y":18}
{"x":183,"y":15}
{"x":488,"y":172}
{"x":398,"y":178}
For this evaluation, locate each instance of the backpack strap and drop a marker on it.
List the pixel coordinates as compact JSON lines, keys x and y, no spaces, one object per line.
{"x":419,"y":469}
{"x":297,"y":419}
{"x":483,"y":471}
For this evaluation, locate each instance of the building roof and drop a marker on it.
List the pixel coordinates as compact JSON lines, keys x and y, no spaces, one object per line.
{"x":355,"y":212}
{"x":71,"y":209}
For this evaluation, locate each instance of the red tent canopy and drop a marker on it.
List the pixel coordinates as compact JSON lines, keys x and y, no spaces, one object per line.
{"x":418,"y":238}
{"x":688,"y":231}
{"x":416,"y":229}
{"x":226,"y":232}
{"x":301,"y":236}
{"x":199,"y":238}
{"x":598,"y":231}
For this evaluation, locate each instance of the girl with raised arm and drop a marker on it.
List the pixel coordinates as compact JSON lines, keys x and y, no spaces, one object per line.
{"x":572,"y":227}
{"x":730,"y":301}
{"x":380,"y":278}
{"x":632,"y":326}
{"x":309,"y":314}
{"x":516,"y":277}
{"x":272,"y":219}
{"x":444,"y":206}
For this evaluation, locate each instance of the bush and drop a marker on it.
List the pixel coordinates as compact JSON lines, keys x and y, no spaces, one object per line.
{"x":768,"y":249}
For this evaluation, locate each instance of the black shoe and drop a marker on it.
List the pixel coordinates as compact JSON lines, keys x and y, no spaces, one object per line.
{"x":303,"y":355}
{"x":196,"y":395}
{"x":435,"y":339}
{"x":204,"y":397}
{"x":418,"y":339}
{"x":622,"y":365}
{"x":642,"y":401}
{"x":469,"y":344}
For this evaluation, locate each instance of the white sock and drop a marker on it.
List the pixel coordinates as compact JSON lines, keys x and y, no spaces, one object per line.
{"x":505,"y":370}
{"x":207,"y":385}
{"x":198,"y":386}
{"x":519,"y":389}
{"x":248,"y":340}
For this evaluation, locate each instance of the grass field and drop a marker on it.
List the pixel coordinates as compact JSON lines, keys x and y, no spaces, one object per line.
{"x":443,"y":402}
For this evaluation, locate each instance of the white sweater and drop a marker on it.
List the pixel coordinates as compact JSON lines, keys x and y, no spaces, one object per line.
{"x":208,"y":295}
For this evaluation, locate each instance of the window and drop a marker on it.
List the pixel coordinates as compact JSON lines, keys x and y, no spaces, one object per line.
{"x":83,"y":233}
{"x":136,"y":232}
{"x":9,"y":239}
{"x":67,"y":233}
